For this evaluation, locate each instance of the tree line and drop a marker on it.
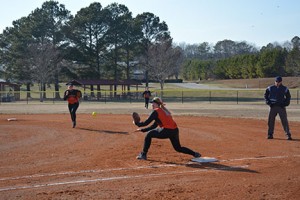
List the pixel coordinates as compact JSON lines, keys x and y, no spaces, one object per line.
{"x":52,"y":46}
{"x":239,"y":60}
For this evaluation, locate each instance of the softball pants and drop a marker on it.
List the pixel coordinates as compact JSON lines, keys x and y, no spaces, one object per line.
{"x":172,"y":134}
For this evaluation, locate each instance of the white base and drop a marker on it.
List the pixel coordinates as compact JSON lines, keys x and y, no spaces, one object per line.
{"x":12,"y":119}
{"x":204,"y":159}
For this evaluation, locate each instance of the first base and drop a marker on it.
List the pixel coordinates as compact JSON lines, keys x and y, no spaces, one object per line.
{"x":12,"y":119}
{"x":204,"y":159}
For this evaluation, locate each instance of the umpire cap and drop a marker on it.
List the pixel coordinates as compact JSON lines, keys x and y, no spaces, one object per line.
{"x":278,"y":79}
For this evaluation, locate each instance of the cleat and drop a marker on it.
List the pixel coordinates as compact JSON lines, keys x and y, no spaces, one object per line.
{"x":142,"y":156}
{"x":270,"y":137}
{"x":197,"y":155}
{"x":289,"y":138}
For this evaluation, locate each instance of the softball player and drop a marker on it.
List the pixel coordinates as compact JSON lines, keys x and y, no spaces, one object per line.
{"x":146,"y":95}
{"x":73,"y":96}
{"x":167,"y":129}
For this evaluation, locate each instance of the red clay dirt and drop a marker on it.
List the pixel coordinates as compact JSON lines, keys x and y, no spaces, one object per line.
{"x":43,"y":157}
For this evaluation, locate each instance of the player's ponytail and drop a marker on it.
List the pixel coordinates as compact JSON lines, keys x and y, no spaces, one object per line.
{"x":165,"y":109}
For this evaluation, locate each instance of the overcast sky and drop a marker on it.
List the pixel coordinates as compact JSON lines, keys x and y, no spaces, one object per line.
{"x":258,"y":22}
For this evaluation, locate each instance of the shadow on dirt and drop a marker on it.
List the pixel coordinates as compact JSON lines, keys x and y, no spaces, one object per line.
{"x":218,"y":166}
{"x":212,"y":166}
{"x":103,"y":131}
{"x":293,"y":140}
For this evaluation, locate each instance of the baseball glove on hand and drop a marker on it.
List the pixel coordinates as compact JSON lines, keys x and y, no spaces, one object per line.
{"x":136,"y":118}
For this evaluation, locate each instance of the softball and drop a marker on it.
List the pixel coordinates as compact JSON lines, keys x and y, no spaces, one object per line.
{"x":94,"y":113}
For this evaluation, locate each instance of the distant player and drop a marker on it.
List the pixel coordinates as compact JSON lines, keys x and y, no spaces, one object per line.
{"x":167,"y":129}
{"x":278,"y":97}
{"x":72,"y":95}
{"x":146,"y":95}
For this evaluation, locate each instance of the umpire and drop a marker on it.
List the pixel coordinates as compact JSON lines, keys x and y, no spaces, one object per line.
{"x":278,"y":97}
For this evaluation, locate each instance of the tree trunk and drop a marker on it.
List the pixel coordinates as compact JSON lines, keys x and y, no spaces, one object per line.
{"x":28,"y":90}
{"x":41,"y":92}
{"x":56,"y":87}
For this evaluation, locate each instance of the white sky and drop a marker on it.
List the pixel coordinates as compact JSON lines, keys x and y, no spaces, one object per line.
{"x":258,"y":22}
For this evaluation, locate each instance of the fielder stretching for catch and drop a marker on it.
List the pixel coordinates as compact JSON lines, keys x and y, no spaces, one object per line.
{"x":73,"y":96}
{"x":167,"y":129}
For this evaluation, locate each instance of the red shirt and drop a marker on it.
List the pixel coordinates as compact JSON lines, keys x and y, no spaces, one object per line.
{"x":72,"y":96}
{"x":165,"y":119}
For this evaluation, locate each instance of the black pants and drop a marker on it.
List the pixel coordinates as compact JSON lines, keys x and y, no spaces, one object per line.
{"x":274,"y":110}
{"x":172,"y":134}
{"x":72,"y":109}
{"x":146,"y":102}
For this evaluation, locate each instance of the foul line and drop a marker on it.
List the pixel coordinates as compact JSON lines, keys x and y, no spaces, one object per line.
{"x":258,"y":158}
{"x":86,"y":171}
{"x":117,"y":178}
{"x":126,"y":177}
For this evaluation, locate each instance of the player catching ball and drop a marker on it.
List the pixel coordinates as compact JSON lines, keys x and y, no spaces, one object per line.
{"x":167,"y":129}
{"x":72,"y":95}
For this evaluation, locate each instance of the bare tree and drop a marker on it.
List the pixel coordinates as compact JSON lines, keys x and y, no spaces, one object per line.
{"x":42,"y":59}
{"x":164,"y":61}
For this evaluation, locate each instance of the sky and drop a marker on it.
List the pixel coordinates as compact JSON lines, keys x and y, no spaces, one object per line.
{"x":258,"y":22}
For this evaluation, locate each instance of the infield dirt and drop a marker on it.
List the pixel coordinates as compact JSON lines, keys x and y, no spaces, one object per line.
{"x":43,"y":157}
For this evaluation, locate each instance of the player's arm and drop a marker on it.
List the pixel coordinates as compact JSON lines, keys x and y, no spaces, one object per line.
{"x":79,"y":94}
{"x":266,"y":95}
{"x":153,"y":126}
{"x":287,"y":97}
{"x":66,"y":94}
{"x":152,"y":117}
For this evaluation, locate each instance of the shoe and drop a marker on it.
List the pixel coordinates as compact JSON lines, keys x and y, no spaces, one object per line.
{"x":197,"y":155}
{"x":270,"y":136}
{"x":142,"y":156}
{"x":289,"y":138}
{"x":74,"y":124}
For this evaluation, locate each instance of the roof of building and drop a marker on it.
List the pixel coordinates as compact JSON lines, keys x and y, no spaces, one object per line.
{"x":109,"y":82}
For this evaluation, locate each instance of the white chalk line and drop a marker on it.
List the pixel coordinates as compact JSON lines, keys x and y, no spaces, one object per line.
{"x":123,"y":169}
{"x":133,"y":168}
{"x":118,"y":178}
{"x":258,"y":158}
{"x":85,"y":171}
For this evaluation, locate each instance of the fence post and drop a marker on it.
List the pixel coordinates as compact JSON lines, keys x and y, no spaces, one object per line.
{"x":237,"y":97}
{"x":298,"y":97}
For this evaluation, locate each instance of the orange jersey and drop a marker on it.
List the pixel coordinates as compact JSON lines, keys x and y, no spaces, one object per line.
{"x":165,"y":119}
{"x":72,"y":96}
